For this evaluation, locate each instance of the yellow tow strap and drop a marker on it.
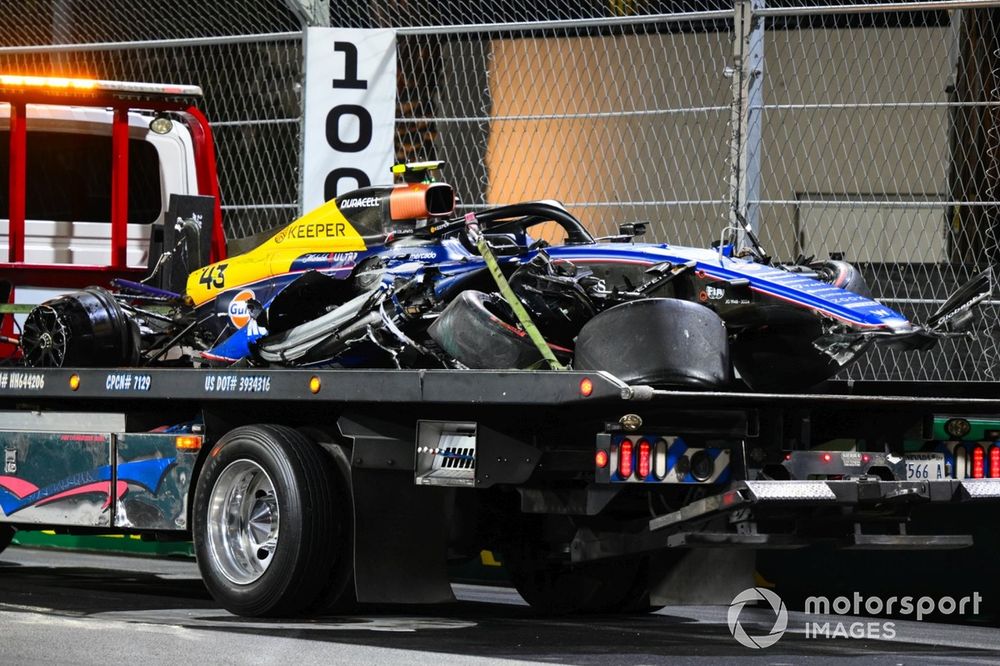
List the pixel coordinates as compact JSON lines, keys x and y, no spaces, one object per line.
{"x":508,"y":294}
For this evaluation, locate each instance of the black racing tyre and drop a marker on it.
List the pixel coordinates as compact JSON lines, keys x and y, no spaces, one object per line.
{"x":266,"y":523}
{"x":659,"y":342}
{"x":477,"y":330}
{"x":842,"y":274}
{"x":6,"y":534}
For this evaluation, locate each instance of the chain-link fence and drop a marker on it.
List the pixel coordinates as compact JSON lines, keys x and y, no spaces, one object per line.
{"x":246,"y":56}
{"x":864,"y":131}
{"x":874,"y":145}
{"x":617,"y":109}
{"x":857,"y":132}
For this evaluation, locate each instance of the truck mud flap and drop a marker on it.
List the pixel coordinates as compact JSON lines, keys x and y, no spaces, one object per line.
{"x":400,"y":540}
{"x":400,"y":530}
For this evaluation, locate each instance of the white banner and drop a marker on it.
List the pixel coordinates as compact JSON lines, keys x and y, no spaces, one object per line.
{"x":350,"y":107}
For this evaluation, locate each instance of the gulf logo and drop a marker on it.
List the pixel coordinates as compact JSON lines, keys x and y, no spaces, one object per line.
{"x":238,"y":313}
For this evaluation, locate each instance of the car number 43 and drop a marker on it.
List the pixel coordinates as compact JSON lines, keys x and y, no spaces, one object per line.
{"x":213,"y":276}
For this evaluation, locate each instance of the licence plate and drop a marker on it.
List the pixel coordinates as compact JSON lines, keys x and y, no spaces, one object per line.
{"x":924,"y":466}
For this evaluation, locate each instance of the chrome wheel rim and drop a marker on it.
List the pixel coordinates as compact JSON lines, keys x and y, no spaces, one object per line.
{"x":243,"y":521}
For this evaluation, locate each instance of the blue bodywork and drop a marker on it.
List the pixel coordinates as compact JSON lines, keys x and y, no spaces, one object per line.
{"x":453,"y":263}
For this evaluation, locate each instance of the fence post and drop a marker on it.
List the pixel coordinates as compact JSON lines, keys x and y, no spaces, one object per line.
{"x":311,"y":13}
{"x":747,"y":112}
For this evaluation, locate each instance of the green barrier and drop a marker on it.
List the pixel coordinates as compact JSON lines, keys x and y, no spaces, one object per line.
{"x":968,"y":429}
{"x":112,"y":543}
{"x":485,"y":569}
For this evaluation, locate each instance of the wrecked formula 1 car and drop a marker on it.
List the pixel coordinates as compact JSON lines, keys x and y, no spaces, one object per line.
{"x":389,"y":277}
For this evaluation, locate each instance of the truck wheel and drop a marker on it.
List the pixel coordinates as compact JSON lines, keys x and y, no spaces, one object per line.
{"x":648,"y":568}
{"x":338,"y":596}
{"x":560,"y":588}
{"x":266,"y":522}
{"x":6,"y":534}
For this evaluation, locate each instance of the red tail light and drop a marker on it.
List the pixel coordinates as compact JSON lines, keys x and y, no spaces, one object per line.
{"x":978,"y":463}
{"x":644,"y":459}
{"x":625,"y":459}
{"x":995,"y":462}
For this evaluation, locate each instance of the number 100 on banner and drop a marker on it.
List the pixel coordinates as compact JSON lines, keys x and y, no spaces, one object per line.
{"x":350,"y":108}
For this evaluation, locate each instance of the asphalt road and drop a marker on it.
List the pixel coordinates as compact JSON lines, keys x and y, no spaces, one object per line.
{"x":80,"y":609}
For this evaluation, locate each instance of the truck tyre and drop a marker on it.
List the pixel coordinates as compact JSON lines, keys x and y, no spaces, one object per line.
{"x":561,"y":588}
{"x":339,"y":595}
{"x":266,"y":522}
{"x":650,"y":570}
{"x":6,"y":534}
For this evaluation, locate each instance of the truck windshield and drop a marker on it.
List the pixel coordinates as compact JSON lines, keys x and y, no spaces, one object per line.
{"x":81,"y":166}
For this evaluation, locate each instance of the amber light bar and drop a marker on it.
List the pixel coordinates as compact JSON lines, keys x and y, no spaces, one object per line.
{"x":22,"y":83}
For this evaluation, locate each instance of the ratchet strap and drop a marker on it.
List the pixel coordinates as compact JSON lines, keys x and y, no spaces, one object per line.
{"x":508,"y":294}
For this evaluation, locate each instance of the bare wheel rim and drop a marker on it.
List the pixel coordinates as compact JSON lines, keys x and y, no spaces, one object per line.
{"x":243,"y":521}
{"x":45,"y":338}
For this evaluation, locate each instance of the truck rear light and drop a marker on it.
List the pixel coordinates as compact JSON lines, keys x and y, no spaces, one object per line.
{"x":601,"y":458}
{"x":960,"y":462}
{"x":995,"y":462}
{"x":827,"y":457}
{"x":625,"y":459}
{"x":642,"y":469}
{"x":586,"y":387}
{"x":660,"y":460}
{"x":978,"y":463}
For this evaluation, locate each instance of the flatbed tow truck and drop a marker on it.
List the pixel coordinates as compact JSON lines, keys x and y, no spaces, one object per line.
{"x":573,"y":476}
{"x":311,"y":490}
